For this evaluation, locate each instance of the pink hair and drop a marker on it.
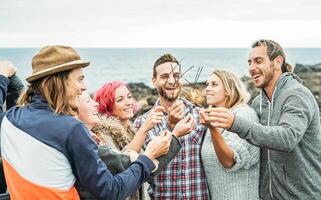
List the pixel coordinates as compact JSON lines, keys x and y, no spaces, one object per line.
{"x":105,"y":97}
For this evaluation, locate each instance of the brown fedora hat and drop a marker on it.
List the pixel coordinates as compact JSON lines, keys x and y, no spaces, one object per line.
{"x":54,"y":59}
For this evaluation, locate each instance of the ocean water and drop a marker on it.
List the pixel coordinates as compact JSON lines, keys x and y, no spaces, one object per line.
{"x":135,"y":64}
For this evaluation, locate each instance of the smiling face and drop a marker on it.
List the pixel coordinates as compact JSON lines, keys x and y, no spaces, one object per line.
{"x":215,"y":92}
{"x":74,"y":87}
{"x":123,"y":107}
{"x":167,"y":81}
{"x":87,"y":110}
{"x":261,"y":69}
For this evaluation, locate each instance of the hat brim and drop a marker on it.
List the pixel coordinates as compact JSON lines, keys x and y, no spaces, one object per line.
{"x":56,"y":69}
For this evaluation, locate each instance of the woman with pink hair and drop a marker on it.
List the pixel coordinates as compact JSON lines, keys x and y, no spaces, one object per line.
{"x":116,"y":108}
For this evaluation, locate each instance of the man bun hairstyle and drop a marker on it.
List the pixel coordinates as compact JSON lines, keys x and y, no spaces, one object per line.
{"x":274,"y":50}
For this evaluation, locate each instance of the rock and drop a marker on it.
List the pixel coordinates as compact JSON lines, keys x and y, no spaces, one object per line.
{"x":311,"y":79}
{"x":140,"y":90}
{"x":151,"y":100}
{"x":300,"y":68}
{"x":251,"y":88}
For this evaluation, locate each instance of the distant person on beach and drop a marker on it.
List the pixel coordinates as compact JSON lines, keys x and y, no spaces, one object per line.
{"x":289,"y":131}
{"x":232,"y":165}
{"x":184,"y":177}
{"x":118,"y":141}
{"x":45,"y":149}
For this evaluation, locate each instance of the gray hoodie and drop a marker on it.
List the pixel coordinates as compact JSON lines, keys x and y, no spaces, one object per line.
{"x":289,"y":134}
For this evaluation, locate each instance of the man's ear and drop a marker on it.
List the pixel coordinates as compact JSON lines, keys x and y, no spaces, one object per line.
{"x":154,"y":82}
{"x":278,"y":61}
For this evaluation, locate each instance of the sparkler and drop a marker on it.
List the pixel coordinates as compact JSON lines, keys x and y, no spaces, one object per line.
{"x":193,"y":94}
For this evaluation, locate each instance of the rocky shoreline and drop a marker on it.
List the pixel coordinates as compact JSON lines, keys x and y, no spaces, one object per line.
{"x":146,"y":96}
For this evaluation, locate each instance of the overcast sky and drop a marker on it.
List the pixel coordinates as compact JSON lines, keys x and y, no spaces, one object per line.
{"x":159,"y":23}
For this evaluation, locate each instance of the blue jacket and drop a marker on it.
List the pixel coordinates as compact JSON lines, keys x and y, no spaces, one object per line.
{"x":61,"y":151}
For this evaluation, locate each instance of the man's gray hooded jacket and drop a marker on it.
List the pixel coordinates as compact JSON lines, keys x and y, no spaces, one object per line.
{"x":289,"y":134}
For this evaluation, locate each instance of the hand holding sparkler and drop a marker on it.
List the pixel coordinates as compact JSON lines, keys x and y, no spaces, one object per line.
{"x":154,"y":117}
{"x":175,"y":113}
{"x":159,"y":145}
{"x":217,"y":117}
{"x":184,"y":126}
{"x":204,"y":118}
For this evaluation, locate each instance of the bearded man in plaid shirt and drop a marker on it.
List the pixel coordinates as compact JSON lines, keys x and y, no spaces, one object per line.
{"x":184,"y":176}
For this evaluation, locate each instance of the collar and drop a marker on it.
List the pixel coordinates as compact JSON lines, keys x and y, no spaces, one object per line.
{"x":38,"y":101}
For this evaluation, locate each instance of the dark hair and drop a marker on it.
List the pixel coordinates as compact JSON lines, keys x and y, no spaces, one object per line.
{"x":274,"y":50}
{"x":163,"y":59}
{"x":53,"y":89}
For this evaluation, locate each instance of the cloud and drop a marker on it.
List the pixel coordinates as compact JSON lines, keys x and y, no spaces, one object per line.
{"x":145,"y":23}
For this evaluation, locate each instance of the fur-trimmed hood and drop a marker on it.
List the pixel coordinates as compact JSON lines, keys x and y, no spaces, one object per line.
{"x":111,"y":127}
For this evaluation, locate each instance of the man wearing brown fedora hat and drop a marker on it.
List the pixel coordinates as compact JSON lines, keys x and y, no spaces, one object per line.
{"x":45,"y":149}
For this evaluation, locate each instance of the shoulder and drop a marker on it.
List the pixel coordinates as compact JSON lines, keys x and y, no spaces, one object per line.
{"x":293,"y":87}
{"x":109,"y":125}
{"x":298,"y":95}
{"x":42,"y":120}
{"x":299,"y":90}
{"x":50,"y":129}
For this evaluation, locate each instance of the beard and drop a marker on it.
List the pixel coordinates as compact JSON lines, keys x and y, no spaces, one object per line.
{"x":169,"y":97}
{"x":268,"y":75}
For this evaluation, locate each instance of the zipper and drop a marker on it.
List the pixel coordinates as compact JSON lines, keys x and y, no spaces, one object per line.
{"x":270,"y":176}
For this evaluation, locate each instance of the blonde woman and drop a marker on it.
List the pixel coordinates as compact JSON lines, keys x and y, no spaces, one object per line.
{"x":231,"y":163}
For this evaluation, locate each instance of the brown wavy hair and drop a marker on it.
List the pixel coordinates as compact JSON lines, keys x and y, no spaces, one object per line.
{"x":163,"y":59}
{"x":274,"y":50}
{"x":53,"y":89}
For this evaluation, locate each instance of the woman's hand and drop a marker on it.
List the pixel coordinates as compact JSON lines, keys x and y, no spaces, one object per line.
{"x":159,"y":145}
{"x":154,"y":117}
{"x":216,"y":117}
{"x":184,"y":126}
{"x":175,"y":113}
{"x":204,"y":119}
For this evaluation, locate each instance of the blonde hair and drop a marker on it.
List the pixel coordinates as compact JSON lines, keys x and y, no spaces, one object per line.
{"x":235,"y":90}
{"x":53,"y":89}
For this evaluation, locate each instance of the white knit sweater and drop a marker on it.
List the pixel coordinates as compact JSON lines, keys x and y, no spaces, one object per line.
{"x":242,"y":180}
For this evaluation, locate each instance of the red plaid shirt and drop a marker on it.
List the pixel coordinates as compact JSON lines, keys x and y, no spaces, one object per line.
{"x":184,"y":176}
